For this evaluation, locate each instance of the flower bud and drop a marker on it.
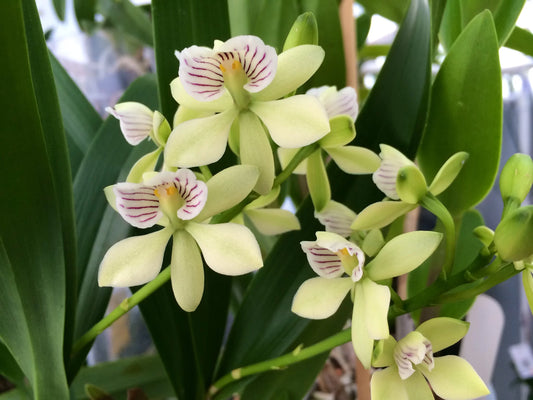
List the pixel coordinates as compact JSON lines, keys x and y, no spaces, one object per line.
{"x":484,"y":234}
{"x":410,"y":184}
{"x":303,"y":31}
{"x":514,"y":235}
{"x":515,"y":180}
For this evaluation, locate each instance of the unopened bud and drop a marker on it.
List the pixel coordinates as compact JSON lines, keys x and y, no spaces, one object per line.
{"x":514,"y":235}
{"x":303,"y":31}
{"x":484,"y":234}
{"x":515,"y":180}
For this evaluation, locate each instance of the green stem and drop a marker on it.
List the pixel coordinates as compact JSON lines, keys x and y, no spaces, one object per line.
{"x":433,"y":205}
{"x":299,"y":354}
{"x":301,"y":155}
{"x":125,"y":306}
{"x":206,"y":172}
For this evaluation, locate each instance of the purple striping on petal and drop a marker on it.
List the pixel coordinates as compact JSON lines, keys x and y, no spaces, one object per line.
{"x":142,"y":215}
{"x":257,"y":64}
{"x":138,"y":208}
{"x":150,"y":191}
{"x":262,"y":78}
{"x":185,"y":210}
{"x":136,"y":199}
{"x":148,"y":219}
{"x":205,"y":77}
{"x":327,"y":253}
{"x":187,"y":196}
{"x":195,"y":196}
{"x":215,"y":71}
{"x":193,"y":205}
{"x":203,"y":84}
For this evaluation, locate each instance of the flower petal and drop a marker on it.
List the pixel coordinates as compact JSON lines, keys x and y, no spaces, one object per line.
{"x":286,"y":155}
{"x":184,"y":99}
{"x":386,"y":385}
{"x":385,"y":176}
{"x":342,"y":132}
{"x":255,"y":150}
{"x":228,"y":188}
{"x":137,"y":204}
{"x":135,"y":120}
{"x":144,"y":164}
{"x":376,"y":303}
{"x":417,"y":387}
{"x":259,"y":61}
{"x":187,"y":271}
{"x":454,"y":378}
{"x":265,"y":200}
{"x":319,"y":298}
{"x":361,"y":340}
{"x":342,"y":102}
{"x":135,"y":260}
{"x":381,"y":214}
{"x":323,"y":261}
{"x":273,"y":221}
{"x":293,"y":122}
{"x":384,"y":353}
{"x":448,"y":172}
{"x":402,"y":254}
{"x":317,"y":181}
{"x":228,"y":249}
{"x":199,"y":141}
{"x":295,"y":67}
{"x":354,"y":159}
{"x":443,"y":332}
{"x":337,"y":218}
{"x":200,"y":73}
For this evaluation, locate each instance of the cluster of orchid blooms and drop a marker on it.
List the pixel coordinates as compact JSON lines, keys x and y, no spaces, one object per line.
{"x":241,"y":93}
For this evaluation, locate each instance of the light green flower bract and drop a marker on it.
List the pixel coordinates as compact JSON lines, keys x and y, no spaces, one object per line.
{"x":242,"y":79}
{"x":331,"y":256}
{"x":179,"y":202}
{"x":410,"y":363}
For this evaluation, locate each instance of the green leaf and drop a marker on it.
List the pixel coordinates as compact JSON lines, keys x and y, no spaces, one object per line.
{"x":128,"y":18}
{"x":80,"y":119}
{"x":393,"y":10}
{"x":85,"y":10}
{"x":59,"y":6}
{"x":466,"y":115}
{"x":179,"y":24}
{"x":521,"y":40}
{"x":116,"y":377}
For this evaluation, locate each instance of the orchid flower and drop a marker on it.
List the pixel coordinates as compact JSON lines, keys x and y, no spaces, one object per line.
{"x":179,"y":202}
{"x":138,"y":122}
{"x":341,"y":107}
{"x":331,"y":256}
{"x":410,"y":362}
{"x":241,"y":80}
{"x":401,"y":180}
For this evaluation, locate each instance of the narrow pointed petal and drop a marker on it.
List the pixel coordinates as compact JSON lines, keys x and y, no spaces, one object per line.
{"x":386,"y":385}
{"x":443,"y":332}
{"x":135,"y":260}
{"x":265,"y":200}
{"x":199,"y":141}
{"x":402,"y":254}
{"x":454,"y":378}
{"x":295,"y":67}
{"x":286,"y":155}
{"x":317,"y":181}
{"x":187,"y":271}
{"x":145,"y":164}
{"x":376,"y":299}
{"x":137,"y":204}
{"x":337,"y":218}
{"x":354,"y":159}
{"x":362,"y":343}
{"x":323,"y":261}
{"x":448,"y":172}
{"x":319,"y":298}
{"x":228,"y":188}
{"x":259,"y":61}
{"x":255,"y":150}
{"x":342,"y":102}
{"x":135,"y":120}
{"x":381,"y":214}
{"x":186,"y":100}
{"x":293,"y":122}
{"x":200,"y":73}
{"x":342,"y":132}
{"x":273,"y":221}
{"x":229,"y":249}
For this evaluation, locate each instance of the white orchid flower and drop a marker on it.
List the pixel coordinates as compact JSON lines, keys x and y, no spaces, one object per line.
{"x":179,"y":202}
{"x":242,"y":79}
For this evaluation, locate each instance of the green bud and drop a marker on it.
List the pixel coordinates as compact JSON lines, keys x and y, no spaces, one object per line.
{"x":410,"y":184}
{"x":95,"y":393}
{"x":303,"y":31}
{"x":514,"y":235}
{"x":515,"y":180}
{"x":484,"y":234}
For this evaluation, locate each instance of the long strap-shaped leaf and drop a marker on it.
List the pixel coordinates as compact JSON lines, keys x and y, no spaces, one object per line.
{"x":35,"y":226}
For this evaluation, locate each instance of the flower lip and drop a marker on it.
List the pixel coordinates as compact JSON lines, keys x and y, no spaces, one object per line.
{"x":336,"y":102}
{"x":204,"y":72}
{"x":412,"y":350}
{"x":174,"y":193}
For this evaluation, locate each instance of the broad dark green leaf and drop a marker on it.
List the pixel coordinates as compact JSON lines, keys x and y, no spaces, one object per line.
{"x":128,"y":18}
{"x":521,"y":40}
{"x":59,"y":6}
{"x":80,"y":119}
{"x":32,"y":228}
{"x":107,"y":160}
{"x":9,"y":367}
{"x":393,"y":10}
{"x":264,"y":327}
{"x":466,"y":115}
{"x":179,"y":24}
{"x":451,"y":24}
{"x":116,"y":377}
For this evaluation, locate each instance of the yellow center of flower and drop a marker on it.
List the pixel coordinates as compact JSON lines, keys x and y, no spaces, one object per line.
{"x":170,"y":202}
{"x":234,"y":79}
